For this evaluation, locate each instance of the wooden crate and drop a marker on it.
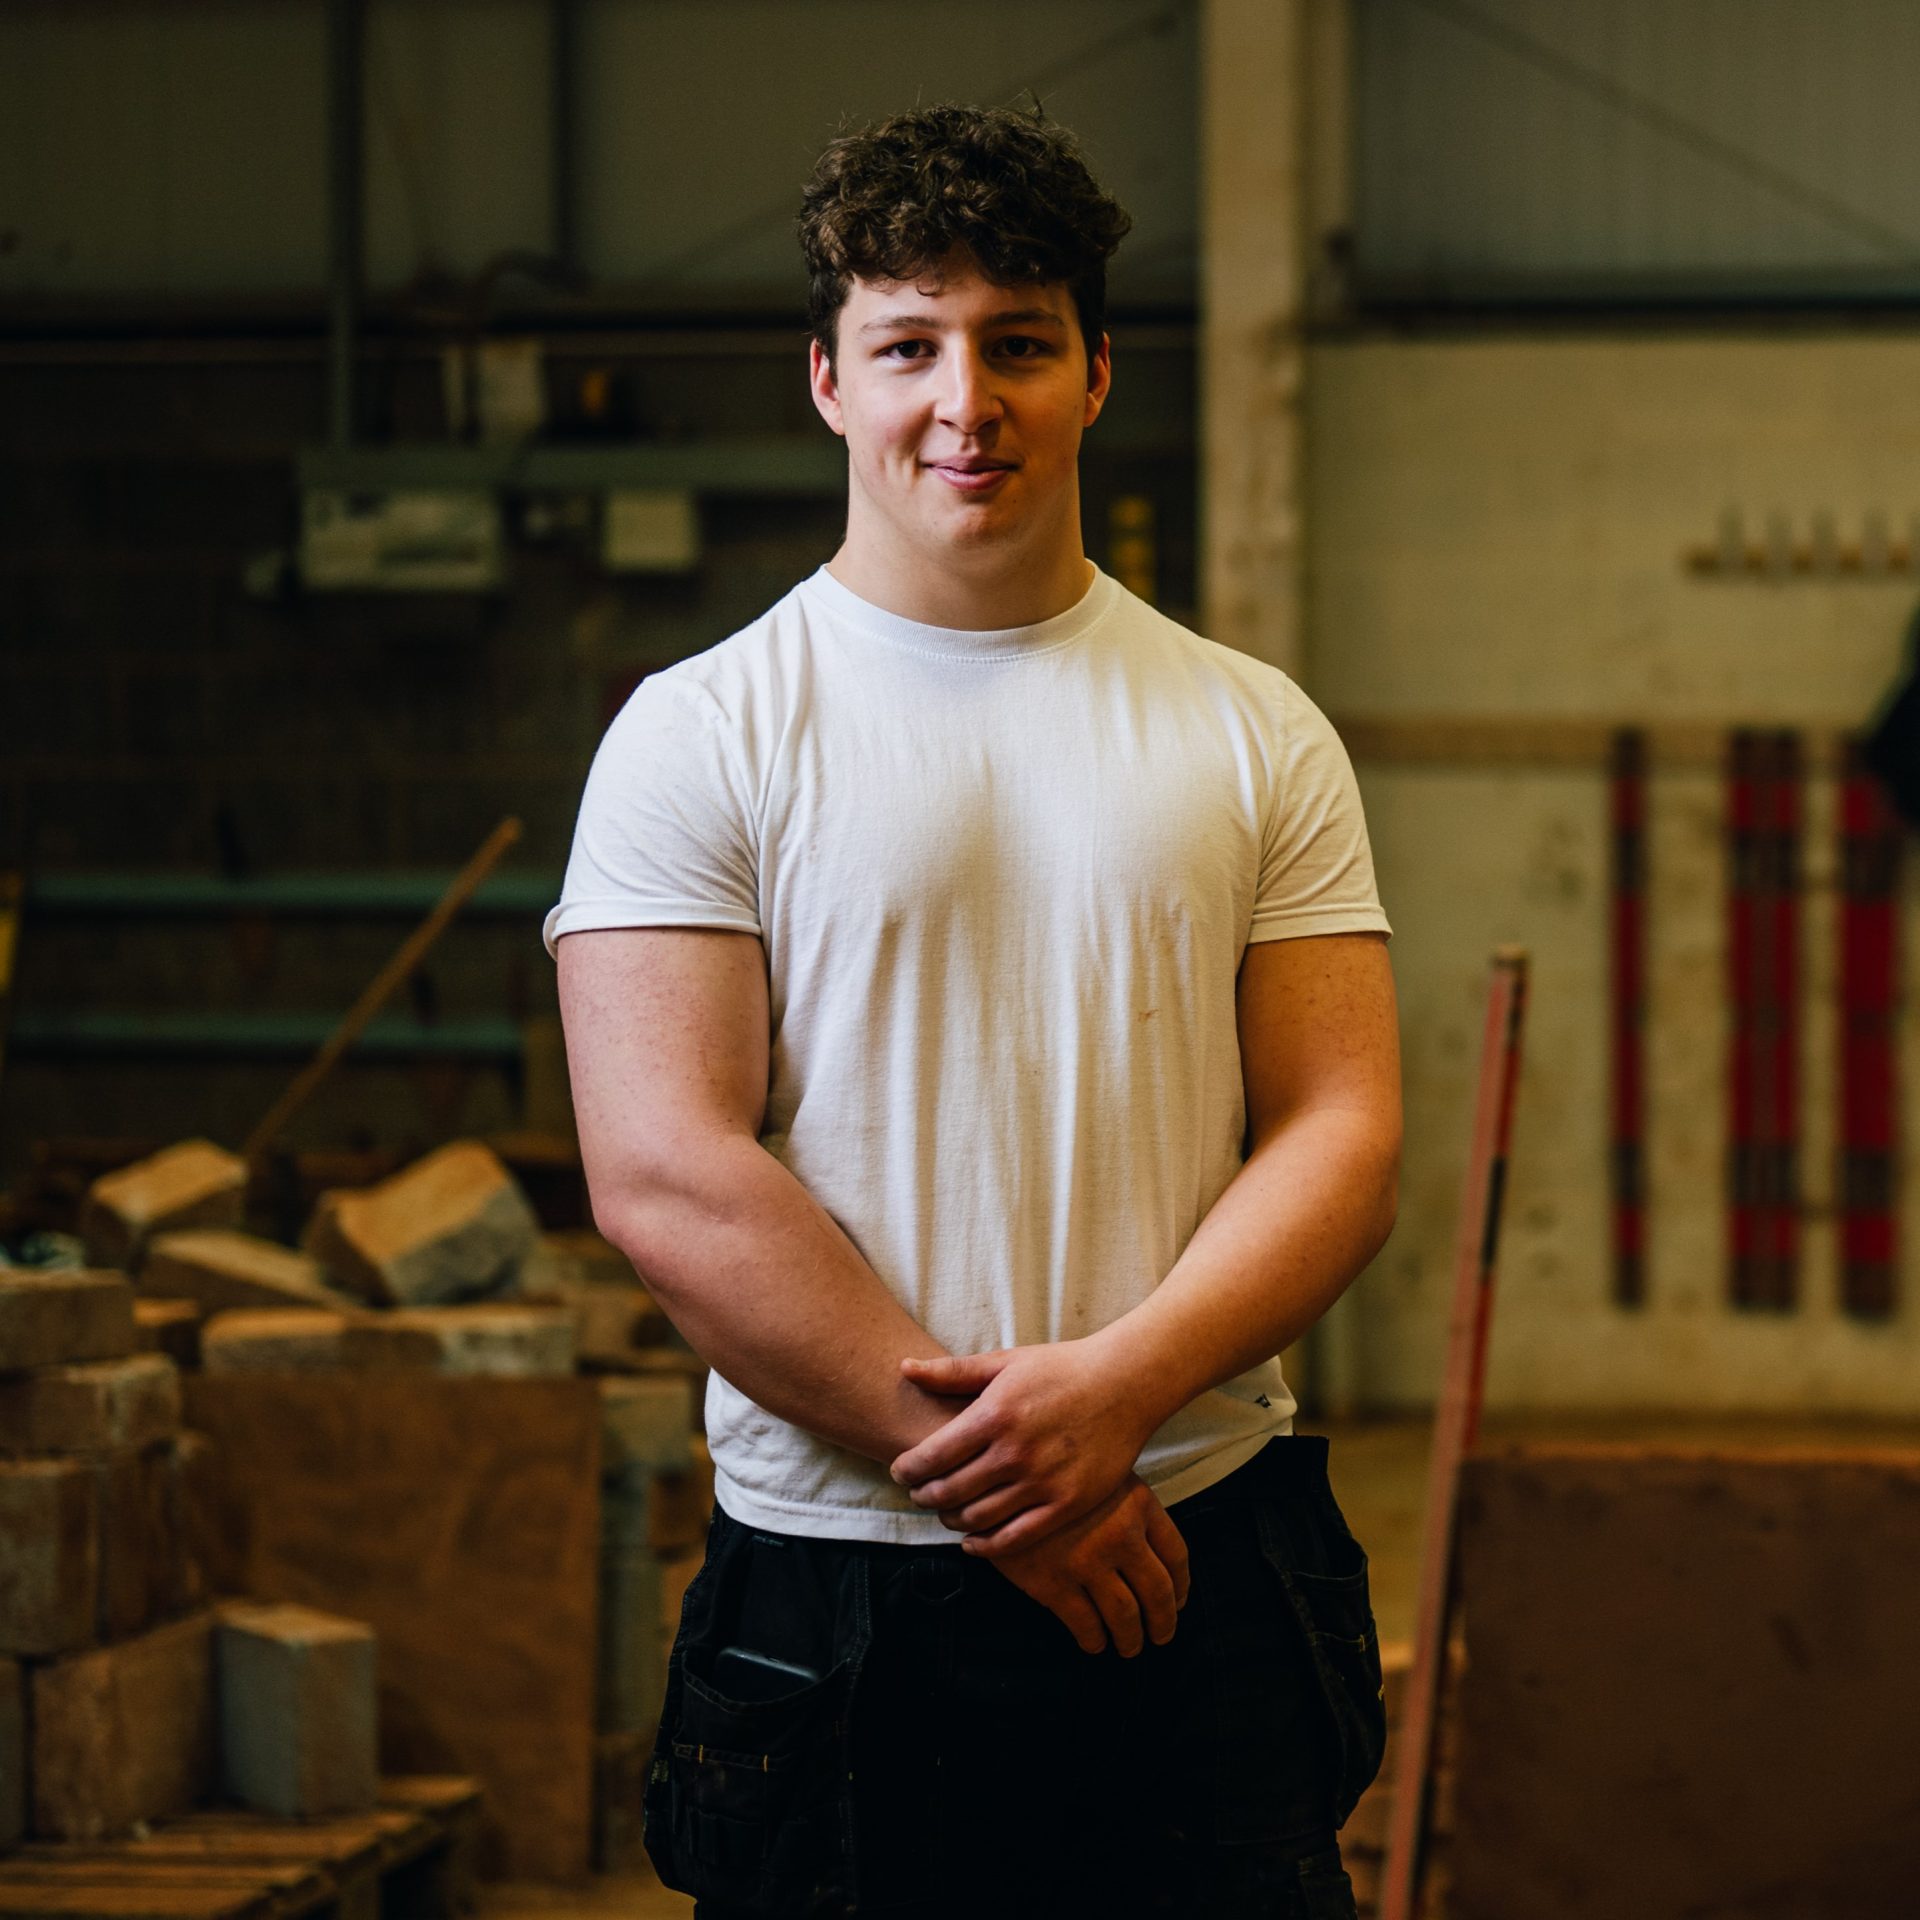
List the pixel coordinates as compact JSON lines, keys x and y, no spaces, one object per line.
{"x":413,"y":1856}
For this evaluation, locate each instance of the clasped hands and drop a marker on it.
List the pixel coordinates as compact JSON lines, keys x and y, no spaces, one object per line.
{"x":1036,"y":1471}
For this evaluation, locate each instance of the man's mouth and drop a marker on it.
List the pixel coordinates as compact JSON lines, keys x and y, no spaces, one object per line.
{"x":971,"y":475}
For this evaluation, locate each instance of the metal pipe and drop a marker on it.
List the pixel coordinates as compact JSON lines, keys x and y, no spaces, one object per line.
{"x":346,"y":212}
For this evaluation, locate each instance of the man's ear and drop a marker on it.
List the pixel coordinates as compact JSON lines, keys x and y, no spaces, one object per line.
{"x":825,"y":389}
{"x":1099,"y":380}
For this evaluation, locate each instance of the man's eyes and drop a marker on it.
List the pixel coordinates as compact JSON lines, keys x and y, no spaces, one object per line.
{"x":1029,"y":348}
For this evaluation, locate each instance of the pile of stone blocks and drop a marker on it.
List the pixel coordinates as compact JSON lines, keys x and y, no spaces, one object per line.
{"x":440,"y":1266}
{"x":1363,"y":1840}
{"x":115,"y":1668}
{"x":656,"y":1500}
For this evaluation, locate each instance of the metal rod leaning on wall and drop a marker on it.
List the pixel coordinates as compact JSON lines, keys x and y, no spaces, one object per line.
{"x":379,"y":990}
{"x":1457,"y":1420}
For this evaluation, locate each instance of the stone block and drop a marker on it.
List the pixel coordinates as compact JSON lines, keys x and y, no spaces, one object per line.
{"x":53,"y":1319}
{"x":221,"y":1269}
{"x":620,"y":1763}
{"x":13,"y":1755}
{"x":632,"y":1660}
{"x":190,"y":1470}
{"x":141,"y":1546}
{"x":171,"y":1327}
{"x":90,"y":1408}
{"x":450,"y":1227}
{"x":49,"y":1555}
{"x":297,"y":1701}
{"x":274,"y":1340}
{"x":1692,"y":1682}
{"x":646,"y":1422}
{"x":192,"y":1184}
{"x":615,"y":1313}
{"x":122,"y":1733}
{"x":493,"y":1337}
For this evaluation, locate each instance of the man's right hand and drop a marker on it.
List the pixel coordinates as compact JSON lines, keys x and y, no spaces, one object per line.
{"x":1119,"y":1569}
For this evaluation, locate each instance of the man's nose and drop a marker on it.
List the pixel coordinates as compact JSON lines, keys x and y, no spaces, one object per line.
{"x":969,"y":393}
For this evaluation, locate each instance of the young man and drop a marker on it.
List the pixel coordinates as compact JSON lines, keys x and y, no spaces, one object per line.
{"x":982,"y":1040}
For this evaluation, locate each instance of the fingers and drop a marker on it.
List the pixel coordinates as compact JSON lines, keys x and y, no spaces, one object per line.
{"x":1146,"y":1573}
{"x":1167,"y":1543}
{"x":952,"y":1446}
{"x":978,"y":1478}
{"x":954,"y":1373}
{"x":1072,"y":1606}
{"x":1119,"y":1609}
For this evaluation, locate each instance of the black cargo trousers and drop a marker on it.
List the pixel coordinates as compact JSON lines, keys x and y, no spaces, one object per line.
{"x":960,"y":1755}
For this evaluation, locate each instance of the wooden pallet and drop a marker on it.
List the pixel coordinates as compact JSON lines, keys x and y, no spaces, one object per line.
{"x":411,"y":1858}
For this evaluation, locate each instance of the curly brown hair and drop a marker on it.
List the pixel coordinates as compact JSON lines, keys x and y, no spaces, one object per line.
{"x":1006,"y":186}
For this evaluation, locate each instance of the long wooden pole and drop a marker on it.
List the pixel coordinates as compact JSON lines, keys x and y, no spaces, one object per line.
{"x":1457,"y":1421}
{"x":411,"y":952}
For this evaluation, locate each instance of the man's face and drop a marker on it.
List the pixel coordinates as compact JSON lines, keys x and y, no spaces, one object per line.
{"x":962,"y":403}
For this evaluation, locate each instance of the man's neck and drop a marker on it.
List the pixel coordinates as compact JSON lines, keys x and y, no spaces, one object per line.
{"x":937,"y":596}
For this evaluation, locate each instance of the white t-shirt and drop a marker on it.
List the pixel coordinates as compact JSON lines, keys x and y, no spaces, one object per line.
{"x":1004,"y":881}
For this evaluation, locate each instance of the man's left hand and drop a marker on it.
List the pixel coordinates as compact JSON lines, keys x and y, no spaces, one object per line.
{"x":1050,"y":1434}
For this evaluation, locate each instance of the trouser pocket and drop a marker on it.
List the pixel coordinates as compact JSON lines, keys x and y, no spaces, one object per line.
{"x":1323,"y":1570}
{"x":747,"y":1800}
{"x":754,"y":1796}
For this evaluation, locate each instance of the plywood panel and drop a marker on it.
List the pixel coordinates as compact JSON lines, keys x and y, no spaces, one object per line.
{"x":460,"y":1518}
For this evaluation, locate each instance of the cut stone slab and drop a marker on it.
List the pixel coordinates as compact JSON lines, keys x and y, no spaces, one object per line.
{"x":683,"y":1502}
{"x":171,"y":1327}
{"x":450,"y":1227}
{"x":221,"y":1269}
{"x":122,"y":1733}
{"x":646,"y":1422}
{"x":275,"y":1340}
{"x":52,"y":1319}
{"x":595,"y":1279}
{"x":620,"y":1762}
{"x":527,"y":1342}
{"x":90,"y":1408}
{"x":140,"y":1542}
{"x":193,"y":1501}
{"x":13,"y":1755}
{"x":49,"y":1555}
{"x":298,"y":1715}
{"x":1693,"y":1685}
{"x":193,"y":1184}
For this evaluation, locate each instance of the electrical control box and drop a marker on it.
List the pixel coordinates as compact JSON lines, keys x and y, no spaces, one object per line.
{"x":444,"y":540}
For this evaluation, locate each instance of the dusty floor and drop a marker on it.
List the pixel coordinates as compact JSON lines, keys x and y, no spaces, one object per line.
{"x":1379,"y":1475}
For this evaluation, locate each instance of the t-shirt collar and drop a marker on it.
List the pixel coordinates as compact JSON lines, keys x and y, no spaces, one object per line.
{"x":846,"y":606}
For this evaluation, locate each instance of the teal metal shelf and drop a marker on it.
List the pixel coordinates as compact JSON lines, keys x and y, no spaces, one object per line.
{"x":255,"y":1036}
{"x":793,"y":465}
{"x":91,"y":895}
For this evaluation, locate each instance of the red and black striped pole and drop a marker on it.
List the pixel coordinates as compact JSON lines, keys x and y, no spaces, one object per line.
{"x":1763,"y":1082}
{"x":1628,"y":1003}
{"x":1870,"y":846}
{"x":1743,"y":891}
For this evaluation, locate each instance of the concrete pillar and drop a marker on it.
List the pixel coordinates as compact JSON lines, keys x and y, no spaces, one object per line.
{"x":1275,"y":219}
{"x":1252,"y":301}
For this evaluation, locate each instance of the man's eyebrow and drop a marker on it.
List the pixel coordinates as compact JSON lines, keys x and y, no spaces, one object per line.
{"x":1012,"y":317}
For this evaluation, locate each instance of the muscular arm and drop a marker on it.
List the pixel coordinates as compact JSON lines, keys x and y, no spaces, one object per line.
{"x":1053,"y":1427}
{"x":667,"y":1047}
{"x":667,"y":1051}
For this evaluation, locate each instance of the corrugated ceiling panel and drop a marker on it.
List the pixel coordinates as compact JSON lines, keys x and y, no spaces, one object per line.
{"x":1627,"y":146}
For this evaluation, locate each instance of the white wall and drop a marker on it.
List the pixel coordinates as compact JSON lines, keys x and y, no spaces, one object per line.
{"x":1495,"y":531}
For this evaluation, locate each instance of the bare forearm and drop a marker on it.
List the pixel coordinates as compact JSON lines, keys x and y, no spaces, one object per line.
{"x":769,"y":1292}
{"x":1311,"y":1206}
